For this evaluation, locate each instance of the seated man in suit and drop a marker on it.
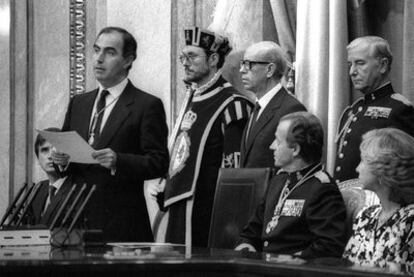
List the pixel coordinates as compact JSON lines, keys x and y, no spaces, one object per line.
{"x":262,"y":69}
{"x":51,"y":192}
{"x":303,"y":212}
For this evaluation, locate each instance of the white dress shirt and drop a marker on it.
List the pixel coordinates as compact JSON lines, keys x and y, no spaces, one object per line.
{"x":111,"y":99}
{"x":265,"y":99}
{"x":57,"y":184}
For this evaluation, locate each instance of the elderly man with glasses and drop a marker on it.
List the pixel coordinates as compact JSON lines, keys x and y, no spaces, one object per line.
{"x":262,"y":69}
{"x":206,"y":137}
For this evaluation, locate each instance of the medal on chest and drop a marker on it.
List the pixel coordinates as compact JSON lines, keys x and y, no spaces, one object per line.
{"x":278,"y":209}
{"x":181,"y":149}
{"x":378,"y":112}
{"x":293,"y":207}
{"x":91,"y":138}
{"x":288,"y":207}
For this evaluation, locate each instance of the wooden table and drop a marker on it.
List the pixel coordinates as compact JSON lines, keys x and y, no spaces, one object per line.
{"x":167,"y":261}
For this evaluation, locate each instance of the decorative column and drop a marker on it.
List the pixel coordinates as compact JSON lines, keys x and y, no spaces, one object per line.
{"x":77,"y":47}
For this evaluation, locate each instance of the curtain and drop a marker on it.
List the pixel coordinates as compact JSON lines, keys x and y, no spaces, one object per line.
{"x":315,"y":39}
{"x":393,"y":20}
{"x":238,"y":20}
{"x":408,"y":52}
{"x":284,"y":14}
{"x":324,"y":28}
{"x":321,"y":64}
{"x":315,"y":34}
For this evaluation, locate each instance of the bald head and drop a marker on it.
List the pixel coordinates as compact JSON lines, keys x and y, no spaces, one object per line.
{"x":268,"y":51}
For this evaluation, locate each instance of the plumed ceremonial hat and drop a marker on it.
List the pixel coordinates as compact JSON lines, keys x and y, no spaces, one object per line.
{"x":207,"y":40}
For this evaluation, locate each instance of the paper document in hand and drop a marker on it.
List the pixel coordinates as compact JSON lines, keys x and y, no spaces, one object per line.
{"x":70,"y":143}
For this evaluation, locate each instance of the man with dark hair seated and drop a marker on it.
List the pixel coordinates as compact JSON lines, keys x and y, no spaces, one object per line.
{"x":52,"y":191}
{"x":303,"y":212}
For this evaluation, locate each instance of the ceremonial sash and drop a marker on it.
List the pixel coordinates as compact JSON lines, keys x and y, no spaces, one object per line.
{"x":188,"y":147}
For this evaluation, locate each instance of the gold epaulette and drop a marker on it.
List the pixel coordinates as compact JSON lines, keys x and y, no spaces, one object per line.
{"x":401,"y":98}
{"x":322,"y":176}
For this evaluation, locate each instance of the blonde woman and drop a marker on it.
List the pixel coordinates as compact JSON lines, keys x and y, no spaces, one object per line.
{"x":384,"y":233}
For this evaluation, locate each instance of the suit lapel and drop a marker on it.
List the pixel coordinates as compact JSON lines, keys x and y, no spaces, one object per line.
{"x":56,"y":201}
{"x":88,"y":103}
{"x":243,"y":145}
{"x":268,"y":113}
{"x":40,"y":200}
{"x":118,"y":114}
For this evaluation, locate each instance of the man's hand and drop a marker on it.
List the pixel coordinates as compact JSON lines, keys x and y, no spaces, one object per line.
{"x":59,"y":158}
{"x":155,"y":187}
{"x":106,"y":158}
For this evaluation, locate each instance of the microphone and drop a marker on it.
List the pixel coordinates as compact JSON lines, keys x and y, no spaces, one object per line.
{"x":75,"y":201}
{"x":20,"y":206}
{"x":13,"y":204}
{"x":29,"y":201}
{"x":59,"y":212}
{"x":80,"y":210}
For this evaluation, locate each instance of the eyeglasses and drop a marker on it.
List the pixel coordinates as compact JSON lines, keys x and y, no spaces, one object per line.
{"x":248,"y":64}
{"x":190,"y":57}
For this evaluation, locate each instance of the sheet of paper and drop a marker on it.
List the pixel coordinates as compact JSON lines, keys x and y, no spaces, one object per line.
{"x":72,"y":144}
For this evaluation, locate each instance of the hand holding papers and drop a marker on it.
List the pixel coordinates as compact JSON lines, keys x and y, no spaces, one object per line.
{"x":72,"y":144}
{"x":106,"y":158}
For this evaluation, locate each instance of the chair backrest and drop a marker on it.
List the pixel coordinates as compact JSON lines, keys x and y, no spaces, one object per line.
{"x":238,"y":192}
{"x":355,"y":199}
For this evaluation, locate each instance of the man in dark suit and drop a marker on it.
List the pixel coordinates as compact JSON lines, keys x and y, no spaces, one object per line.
{"x":302,"y":212}
{"x":127,"y":127}
{"x":369,"y":60}
{"x":262,"y":68}
{"x":51,"y":192}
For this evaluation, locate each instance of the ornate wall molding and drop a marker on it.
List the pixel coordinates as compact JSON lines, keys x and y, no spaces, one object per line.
{"x":77,"y":47}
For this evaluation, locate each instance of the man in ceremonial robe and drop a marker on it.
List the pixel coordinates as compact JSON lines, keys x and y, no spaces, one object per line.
{"x":302,"y":212}
{"x":206,"y":137}
{"x":369,"y":60}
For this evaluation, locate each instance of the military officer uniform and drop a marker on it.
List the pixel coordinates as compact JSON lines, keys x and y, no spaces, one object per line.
{"x":379,"y":109}
{"x":302,"y":213}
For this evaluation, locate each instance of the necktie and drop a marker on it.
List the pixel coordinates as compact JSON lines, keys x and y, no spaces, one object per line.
{"x":253,"y":119}
{"x":97,"y":120}
{"x":255,"y":112}
{"x":52,"y":191}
